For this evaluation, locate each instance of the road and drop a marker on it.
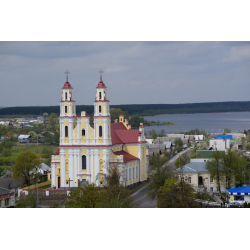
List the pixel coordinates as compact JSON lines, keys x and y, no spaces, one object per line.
{"x":140,"y":197}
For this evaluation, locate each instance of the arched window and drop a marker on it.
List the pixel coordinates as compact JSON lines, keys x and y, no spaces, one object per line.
{"x":83,"y":132}
{"x":108,"y":130}
{"x":66,"y":109}
{"x":84,"y":162}
{"x":66,"y":95}
{"x":100,"y":131}
{"x":66,"y":131}
{"x":100,"y":109}
{"x":100,"y":95}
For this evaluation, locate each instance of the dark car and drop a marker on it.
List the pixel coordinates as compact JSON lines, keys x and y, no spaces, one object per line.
{"x":235,"y":204}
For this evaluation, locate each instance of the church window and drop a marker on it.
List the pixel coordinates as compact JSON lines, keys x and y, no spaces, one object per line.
{"x":133,"y":174}
{"x":100,"y":95}
{"x":66,"y":131}
{"x":143,"y":153}
{"x":66,"y":95}
{"x":66,"y":109}
{"x":84,"y":162}
{"x":108,"y":130}
{"x":100,"y":109}
{"x":83,"y":132}
{"x":136,"y":171}
{"x":100,"y":131}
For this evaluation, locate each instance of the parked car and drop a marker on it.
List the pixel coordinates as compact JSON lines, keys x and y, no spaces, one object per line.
{"x":235,"y":204}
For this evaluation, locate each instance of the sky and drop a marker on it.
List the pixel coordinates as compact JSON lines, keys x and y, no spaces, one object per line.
{"x":134,"y":72}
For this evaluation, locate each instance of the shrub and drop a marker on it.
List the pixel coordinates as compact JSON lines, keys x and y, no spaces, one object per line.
{"x":6,"y":152}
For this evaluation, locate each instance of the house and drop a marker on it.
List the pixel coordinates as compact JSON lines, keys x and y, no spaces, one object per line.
{"x":7,"y":198}
{"x":10,"y":183}
{"x":240,"y":194}
{"x":24,"y":138}
{"x":219,"y":144}
{"x":196,"y":174}
{"x":168,"y":145}
{"x":86,"y":152}
{"x":199,"y":137}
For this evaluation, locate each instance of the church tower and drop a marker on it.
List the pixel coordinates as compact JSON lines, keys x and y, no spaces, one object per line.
{"x":102,"y":118}
{"x":67,"y":113}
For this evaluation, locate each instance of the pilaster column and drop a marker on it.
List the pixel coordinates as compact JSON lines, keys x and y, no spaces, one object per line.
{"x":71,"y":176}
{"x":79,"y":163}
{"x":78,"y":131}
{"x":70,"y":130}
{"x":75,"y":167}
{"x":140,"y":164}
{"x":87,"y":130}
{"x":62,"y":154}
{"x":92,"y":165}
{"x":96,"y":152}
{"x":53,"y":174}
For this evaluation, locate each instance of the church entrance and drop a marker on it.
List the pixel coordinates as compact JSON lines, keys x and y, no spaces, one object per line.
{"x":83,"y":183}
{"x":58,"y":182}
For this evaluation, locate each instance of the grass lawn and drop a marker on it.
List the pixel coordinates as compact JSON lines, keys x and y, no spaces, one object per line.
{"x":23,"y":147}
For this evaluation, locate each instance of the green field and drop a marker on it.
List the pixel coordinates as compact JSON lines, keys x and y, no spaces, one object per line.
{"x":15,"y":150}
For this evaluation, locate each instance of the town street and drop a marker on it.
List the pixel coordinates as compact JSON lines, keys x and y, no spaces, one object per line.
{"x":140,"y":197}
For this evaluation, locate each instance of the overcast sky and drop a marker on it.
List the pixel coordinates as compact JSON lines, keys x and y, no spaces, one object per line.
{"x":32,"y":73}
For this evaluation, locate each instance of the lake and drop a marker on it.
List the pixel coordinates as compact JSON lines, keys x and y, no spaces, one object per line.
{"x":211,"y":122}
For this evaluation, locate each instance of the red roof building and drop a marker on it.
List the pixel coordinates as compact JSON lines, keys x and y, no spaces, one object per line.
{"x":86,"y":151}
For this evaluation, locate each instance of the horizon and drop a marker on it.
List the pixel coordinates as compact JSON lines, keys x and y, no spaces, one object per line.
{"x":131,"y":104}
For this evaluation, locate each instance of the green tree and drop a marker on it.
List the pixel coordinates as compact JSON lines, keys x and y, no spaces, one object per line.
{"x":158,"y":173}
{"x":176,"y":194}
{"x":193,"y":152}
{"x":152,"y":134}
{"x":1,"y":171}
{"x":6,"y":152}
{"x":135,"y":121}
{"x":25,"y":201}
{"x":24,"y":164}
{"x":178,"y":142}
{"x":115,"y":194}
{"x":33,"y":135}
{"x":114,"y":113}
{"x":87,"y":197}
{"x":53,"y":120}
{"x":215,"y":167}
{"x":182,"y":160}
{"x":226,"y":130}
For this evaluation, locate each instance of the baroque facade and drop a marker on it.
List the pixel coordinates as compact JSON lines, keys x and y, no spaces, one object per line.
{"x":87,"y":151}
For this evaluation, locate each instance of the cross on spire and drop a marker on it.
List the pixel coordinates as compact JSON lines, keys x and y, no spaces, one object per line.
{"x":67,"y":74}
{"x":100,"y":72}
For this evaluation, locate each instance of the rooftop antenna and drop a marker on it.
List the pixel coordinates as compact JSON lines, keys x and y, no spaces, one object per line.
{"x":67,"y":74}
{"x":100,"y":72}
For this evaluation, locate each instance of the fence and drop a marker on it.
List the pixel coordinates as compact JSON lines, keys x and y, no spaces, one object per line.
{"x":39,"y":185}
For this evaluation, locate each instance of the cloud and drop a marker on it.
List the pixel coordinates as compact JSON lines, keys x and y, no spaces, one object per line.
{"x":239,"y":53}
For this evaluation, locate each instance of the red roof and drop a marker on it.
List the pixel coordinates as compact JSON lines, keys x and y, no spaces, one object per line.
{"x":121,"y":113}
{"x":101,"y":85}
{"x":67,"y":85}
{"x":58,"y":151}
{"x":126,"y":156}
{"x":121,"y":135}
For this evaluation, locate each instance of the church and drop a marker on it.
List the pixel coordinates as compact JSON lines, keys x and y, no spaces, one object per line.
{"x":87,"y":151}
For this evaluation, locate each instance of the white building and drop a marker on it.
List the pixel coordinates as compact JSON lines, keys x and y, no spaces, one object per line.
{"x":219,"y":144}
{"x":197,"y":175}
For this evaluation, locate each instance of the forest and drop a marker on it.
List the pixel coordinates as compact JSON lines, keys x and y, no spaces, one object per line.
{"x":140,"y":109}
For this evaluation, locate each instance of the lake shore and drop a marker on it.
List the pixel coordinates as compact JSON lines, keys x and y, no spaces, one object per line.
{"x":195,"y":113}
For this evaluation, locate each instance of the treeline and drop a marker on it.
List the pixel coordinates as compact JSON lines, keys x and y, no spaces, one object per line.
{"x":140,"y":109}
